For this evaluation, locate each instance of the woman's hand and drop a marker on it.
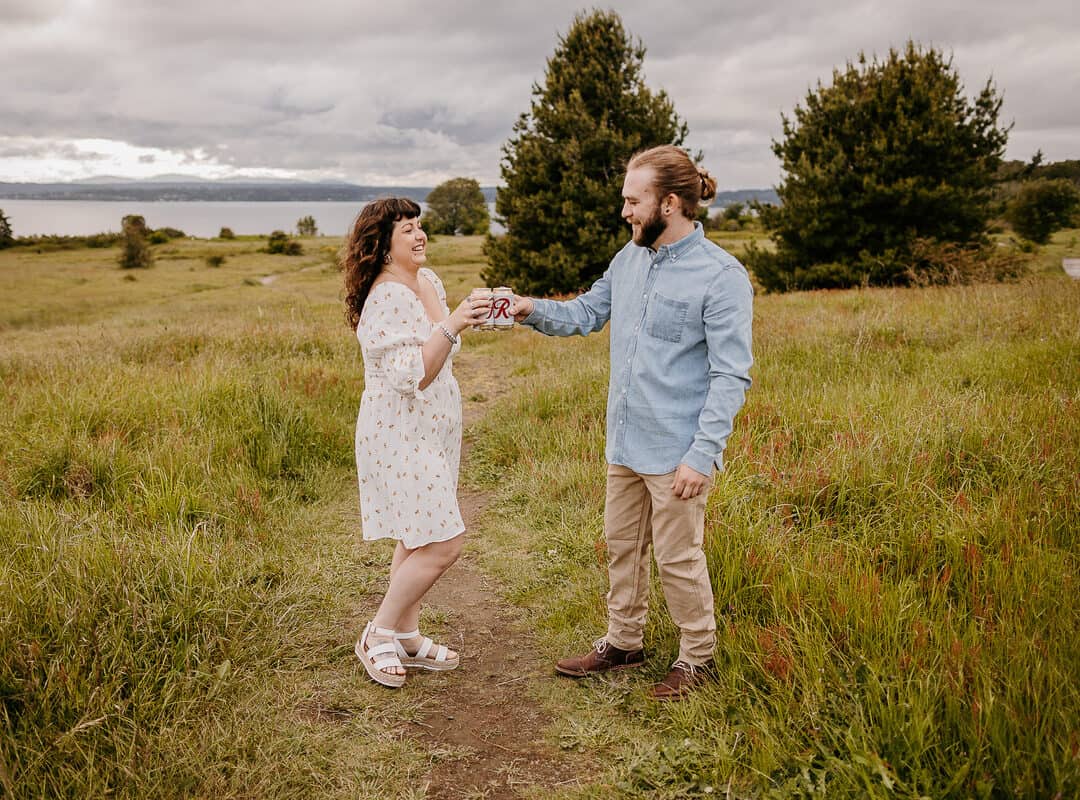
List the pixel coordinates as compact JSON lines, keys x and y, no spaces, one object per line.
{"x":470,"y":311}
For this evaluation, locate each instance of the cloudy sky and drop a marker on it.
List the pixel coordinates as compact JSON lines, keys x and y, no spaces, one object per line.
{"x":411,"y":92}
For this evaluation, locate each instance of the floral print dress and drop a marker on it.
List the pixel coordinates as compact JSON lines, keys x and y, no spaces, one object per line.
{"x":408,"y":440}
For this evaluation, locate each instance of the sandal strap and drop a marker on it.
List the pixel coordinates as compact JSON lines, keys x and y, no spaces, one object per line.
{"x":381,"y":649}
{"x":425,"y":648}
{"x":409,"y":635}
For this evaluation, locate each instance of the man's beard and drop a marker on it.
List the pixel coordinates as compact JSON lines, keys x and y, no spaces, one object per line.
{"x":651,"y":230}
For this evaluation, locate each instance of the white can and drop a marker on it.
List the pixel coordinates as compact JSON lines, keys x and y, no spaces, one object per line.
{"x":484,"y":293}
{"x":502,"y":300}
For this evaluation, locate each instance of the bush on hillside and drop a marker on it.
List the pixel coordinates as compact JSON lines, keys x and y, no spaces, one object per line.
{"x":279,"y":243}
{"x":1043,"y":206}
{"x":135,"y":252}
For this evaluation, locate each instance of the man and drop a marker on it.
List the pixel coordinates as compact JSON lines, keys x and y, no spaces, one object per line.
{"x":680,"y":312}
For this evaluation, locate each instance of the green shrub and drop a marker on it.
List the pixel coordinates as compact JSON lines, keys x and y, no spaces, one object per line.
{"x":215,"y":260}
{"x":280,"y":243}
{"x":226,"y":233}
{"x":136,"y":252}
{"x":1043,"y":206}
{"x":305,"y":226}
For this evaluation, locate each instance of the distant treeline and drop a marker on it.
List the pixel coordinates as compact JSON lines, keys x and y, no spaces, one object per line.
{"x":1025,"y":170}
{"x":154,"y":191}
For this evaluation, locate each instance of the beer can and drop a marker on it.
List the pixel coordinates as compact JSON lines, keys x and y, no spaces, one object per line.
{"x":487,"y":323}
{"x":502,"y":299}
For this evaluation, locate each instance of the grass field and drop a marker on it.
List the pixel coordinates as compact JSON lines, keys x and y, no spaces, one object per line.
{"x":893,"y":545}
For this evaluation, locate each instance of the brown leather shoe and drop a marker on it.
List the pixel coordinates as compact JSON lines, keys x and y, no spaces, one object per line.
{"x":682,"y":679}
{"x":603,"y":657}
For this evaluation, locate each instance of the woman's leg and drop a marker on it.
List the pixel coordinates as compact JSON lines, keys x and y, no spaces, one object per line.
{"x":410,"y":619}
{"x":413,"y":573}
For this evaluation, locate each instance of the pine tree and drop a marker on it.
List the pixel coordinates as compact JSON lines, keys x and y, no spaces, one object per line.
{"x":892,"y":152}
{"x":562,"y":170}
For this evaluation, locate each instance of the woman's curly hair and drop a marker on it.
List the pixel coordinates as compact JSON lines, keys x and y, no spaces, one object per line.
{"x":362,"y":256}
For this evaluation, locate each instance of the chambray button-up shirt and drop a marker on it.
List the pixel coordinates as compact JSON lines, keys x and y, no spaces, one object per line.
{"x":680,"y":350}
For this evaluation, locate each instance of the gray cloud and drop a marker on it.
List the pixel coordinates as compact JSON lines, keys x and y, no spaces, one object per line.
{"x":416,"y":91}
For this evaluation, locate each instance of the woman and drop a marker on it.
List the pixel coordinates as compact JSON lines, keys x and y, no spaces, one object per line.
{"x":408,"y":434}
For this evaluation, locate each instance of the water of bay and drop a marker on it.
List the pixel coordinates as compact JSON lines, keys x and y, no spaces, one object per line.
{"x":203,"y":219}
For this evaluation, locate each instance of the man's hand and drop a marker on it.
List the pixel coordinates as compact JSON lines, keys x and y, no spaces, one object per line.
{"x":688,"y":482}
{"x":522,"y":307}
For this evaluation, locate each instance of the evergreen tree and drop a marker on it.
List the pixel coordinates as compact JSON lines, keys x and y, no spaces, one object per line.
{"x":305,"y":226}
{"x":891,"y":152}
{"x":563,"y":167}
{"x":7,"y":239}
{"x":457,"y":206}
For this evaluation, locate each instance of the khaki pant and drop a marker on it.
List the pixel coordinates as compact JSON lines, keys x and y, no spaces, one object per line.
{"x":641,"y":510}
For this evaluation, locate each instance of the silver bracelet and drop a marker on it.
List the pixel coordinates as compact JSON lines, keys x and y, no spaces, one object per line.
{"x":446,"y":332}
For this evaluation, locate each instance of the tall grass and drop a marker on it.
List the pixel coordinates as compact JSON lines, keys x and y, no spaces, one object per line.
{"x":893,"y":548}
{"x":893,"y":544}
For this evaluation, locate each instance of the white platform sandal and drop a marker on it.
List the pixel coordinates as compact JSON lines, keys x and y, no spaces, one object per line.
{"x":380,"y":656}
{"x":423,"y":657}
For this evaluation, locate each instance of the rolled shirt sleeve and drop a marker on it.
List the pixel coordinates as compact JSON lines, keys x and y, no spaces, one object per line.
{"x":585,"y":314}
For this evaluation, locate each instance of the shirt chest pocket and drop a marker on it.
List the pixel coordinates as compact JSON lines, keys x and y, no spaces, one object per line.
{"x":666,"y":318}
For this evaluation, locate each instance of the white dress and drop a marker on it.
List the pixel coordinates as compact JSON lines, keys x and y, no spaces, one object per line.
{"x":408,"y":440}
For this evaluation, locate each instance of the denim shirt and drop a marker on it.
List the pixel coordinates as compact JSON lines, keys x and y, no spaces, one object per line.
{"x":680,"y":350}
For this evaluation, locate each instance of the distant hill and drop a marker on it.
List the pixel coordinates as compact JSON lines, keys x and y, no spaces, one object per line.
{"x":174,"y":188}
{"x":257,"y":190}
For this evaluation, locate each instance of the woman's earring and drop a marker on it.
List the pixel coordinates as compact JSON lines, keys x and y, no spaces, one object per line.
{"x":386,"y":259}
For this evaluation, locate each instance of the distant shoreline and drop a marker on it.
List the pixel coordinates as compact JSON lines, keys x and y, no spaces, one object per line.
{"x":233,"y":192}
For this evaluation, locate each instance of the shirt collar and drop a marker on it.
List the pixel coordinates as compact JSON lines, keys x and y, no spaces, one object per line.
{"x":676,"y":249}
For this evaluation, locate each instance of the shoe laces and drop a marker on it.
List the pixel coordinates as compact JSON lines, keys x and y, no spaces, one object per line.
{"x":686,"y":667}
{"x":600,"y":645}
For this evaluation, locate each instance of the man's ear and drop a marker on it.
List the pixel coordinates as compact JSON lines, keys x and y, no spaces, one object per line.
{"x":670,"y":203}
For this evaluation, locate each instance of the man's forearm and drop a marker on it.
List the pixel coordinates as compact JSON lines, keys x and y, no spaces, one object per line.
{"x":727,"y":393}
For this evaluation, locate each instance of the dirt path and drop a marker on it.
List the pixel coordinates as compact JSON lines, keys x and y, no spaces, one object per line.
{"x":485,"y":708}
